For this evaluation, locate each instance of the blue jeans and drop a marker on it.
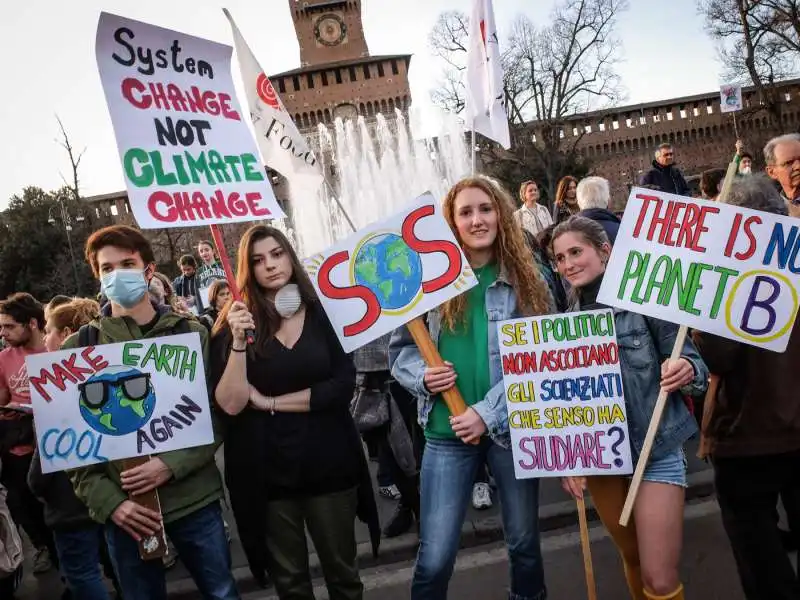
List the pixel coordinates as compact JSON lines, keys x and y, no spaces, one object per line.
{"x":200,"y":541}
{"x":79,"y":554}
{"x":448,"y":472}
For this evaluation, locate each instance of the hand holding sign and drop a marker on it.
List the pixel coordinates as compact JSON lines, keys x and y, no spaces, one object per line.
{"x":136,"y":520}
{"x":468,"y":426}
{"x":241,"y":321}
{"x":146,"y":477}
{"x":676,"y":374}
{"x":440,"y":379}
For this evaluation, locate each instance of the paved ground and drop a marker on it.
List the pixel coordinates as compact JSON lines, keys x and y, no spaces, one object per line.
{"x":707,"y":568}
{"x":552,"y":502}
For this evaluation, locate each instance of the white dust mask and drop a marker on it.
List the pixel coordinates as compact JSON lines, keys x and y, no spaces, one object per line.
{"x":287,"y":300}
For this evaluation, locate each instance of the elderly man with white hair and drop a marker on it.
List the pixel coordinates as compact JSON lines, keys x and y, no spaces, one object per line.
{"x":593,"y":198}
{"x":782,"y":155}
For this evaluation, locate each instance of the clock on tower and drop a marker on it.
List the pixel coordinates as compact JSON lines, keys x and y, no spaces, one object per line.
{"x":328,"y":30}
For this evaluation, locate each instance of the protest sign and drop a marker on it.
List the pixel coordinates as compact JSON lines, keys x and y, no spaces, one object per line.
{"x":389,"y":273}
{"x":563,"y":385}
{"x":718,"y":268}
{"x":730,"y":98}
{"x":116,"y":401}
{"x":188,"y":157}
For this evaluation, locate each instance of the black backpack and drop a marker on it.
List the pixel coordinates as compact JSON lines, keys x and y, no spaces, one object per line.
{"x":89,"y":336}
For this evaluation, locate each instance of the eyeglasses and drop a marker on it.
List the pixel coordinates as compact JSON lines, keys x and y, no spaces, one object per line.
{"x":136,"y":386}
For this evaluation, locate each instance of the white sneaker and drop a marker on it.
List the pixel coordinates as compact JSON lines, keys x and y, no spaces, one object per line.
{"x":481,"y":496}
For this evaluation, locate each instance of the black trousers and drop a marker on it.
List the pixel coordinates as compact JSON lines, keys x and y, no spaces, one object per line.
{"x":330,"y":519}
{"x":747,"y":491}
{"x":25,"y":508}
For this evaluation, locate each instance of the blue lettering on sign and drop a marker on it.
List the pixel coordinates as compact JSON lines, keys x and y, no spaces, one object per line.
{"x":66,"y":443}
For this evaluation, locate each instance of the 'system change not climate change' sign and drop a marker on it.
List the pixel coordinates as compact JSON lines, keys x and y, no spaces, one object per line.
{"x":389,"y":273}
{"x":187,"y":155}
{"x":566,"y":408}
{"x":722,"y":269}
{"x":116,"y":401}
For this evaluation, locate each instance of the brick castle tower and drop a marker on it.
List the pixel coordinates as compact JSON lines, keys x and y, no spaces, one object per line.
{"x":338,"y":77}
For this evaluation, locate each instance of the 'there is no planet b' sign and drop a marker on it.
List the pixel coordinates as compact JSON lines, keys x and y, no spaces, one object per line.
{"x":723,"y":269}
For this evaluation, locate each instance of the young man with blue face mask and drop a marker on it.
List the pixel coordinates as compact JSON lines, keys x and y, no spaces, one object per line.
{"x":188,"y":481}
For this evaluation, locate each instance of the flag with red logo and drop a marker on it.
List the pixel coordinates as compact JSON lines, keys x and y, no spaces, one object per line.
{"x":485,"y":101}
{"x":282,"y":146}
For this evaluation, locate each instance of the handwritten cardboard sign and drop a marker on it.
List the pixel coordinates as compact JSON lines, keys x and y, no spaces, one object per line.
{"x":389,"y":273}
{"x":187,"y":155}
{"x":115,"y":401}
{"x":722,"y":269}
{"x":566,"y":408}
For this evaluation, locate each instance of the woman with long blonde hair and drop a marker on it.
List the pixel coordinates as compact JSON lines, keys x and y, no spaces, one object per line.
{"x":566,"y":202}
{"x":481,"y":215}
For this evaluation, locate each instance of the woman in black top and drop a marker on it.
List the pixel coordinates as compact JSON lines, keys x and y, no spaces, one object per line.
{"x":293,"y":457}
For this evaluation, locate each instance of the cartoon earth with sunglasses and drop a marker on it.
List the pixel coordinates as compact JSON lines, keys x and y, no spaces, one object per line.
{"x":117,"y":400}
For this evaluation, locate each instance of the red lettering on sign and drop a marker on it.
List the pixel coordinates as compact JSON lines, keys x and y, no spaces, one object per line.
{"x":450,"y":250}
{"x":327,"y":288}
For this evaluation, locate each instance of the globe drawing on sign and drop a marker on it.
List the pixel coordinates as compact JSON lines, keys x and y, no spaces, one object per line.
{"x":117,"y":400}
{"x":390,"y":269}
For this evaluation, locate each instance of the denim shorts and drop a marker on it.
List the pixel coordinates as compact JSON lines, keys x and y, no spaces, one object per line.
{"x":670,"y":469}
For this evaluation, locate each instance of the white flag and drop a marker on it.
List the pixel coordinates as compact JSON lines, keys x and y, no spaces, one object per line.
{"x":485,"y":102}
{"x":282,"y":146}
{"x":730,"y":98}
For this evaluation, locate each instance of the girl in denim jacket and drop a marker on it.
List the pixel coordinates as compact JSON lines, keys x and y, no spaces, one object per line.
{"x":464,"y":329}
{"x":651,"y":544}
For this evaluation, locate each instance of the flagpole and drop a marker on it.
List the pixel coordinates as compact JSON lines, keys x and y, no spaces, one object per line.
{"x":339,"y":204}
{"x":472,"y":148}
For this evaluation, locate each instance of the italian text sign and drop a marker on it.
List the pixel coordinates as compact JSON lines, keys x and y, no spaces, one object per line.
{"x":116,"y":401}
{"x":566,"y":408}
{"x":718,"y":268}
{"x":187,"y":156}
{"x":389,"y":273}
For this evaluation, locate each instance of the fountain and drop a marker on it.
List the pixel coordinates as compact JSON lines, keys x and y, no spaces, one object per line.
{"x":380,"y":167}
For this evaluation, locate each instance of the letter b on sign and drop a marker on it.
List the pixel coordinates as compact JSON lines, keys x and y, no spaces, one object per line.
{"x":761,"y":307}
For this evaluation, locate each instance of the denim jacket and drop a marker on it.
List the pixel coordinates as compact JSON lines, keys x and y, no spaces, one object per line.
{"x":408,"y":367}
{"x":644,"y":343}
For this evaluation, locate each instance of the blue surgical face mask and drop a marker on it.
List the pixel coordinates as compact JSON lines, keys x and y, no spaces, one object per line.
{"x":125,"y":287}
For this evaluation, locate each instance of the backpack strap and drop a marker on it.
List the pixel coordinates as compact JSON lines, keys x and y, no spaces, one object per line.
{"x":182,"y":326}
{"x":88,"y":336}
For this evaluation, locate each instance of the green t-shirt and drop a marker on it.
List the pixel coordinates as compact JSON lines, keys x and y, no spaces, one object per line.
{"x":468,"y":349}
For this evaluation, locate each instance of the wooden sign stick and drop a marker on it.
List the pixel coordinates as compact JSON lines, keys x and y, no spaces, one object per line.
{"x":155,"y":546}
{"x":591,"y":588}
{"x":655,"y":420}
{"x":430,"y":354}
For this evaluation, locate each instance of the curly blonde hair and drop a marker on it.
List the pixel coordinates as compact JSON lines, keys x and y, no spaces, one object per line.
{"x":512,"y":253}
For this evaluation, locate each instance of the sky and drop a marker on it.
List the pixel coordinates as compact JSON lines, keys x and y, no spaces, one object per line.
{"x":48,"y":65}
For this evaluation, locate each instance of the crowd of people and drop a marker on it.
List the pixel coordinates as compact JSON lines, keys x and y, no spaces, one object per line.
{"x":294,"y":413}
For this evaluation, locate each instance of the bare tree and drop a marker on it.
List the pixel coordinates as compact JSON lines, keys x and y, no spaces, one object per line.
{"x":74,"y":161}
{"x":758,"y":41}
{"x":551,"y":73}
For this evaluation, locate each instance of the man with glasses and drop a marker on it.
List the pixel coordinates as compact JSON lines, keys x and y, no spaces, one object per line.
{"x":188,"y":481}
{"x":782,"y":155}
{"x":665,"y":175}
